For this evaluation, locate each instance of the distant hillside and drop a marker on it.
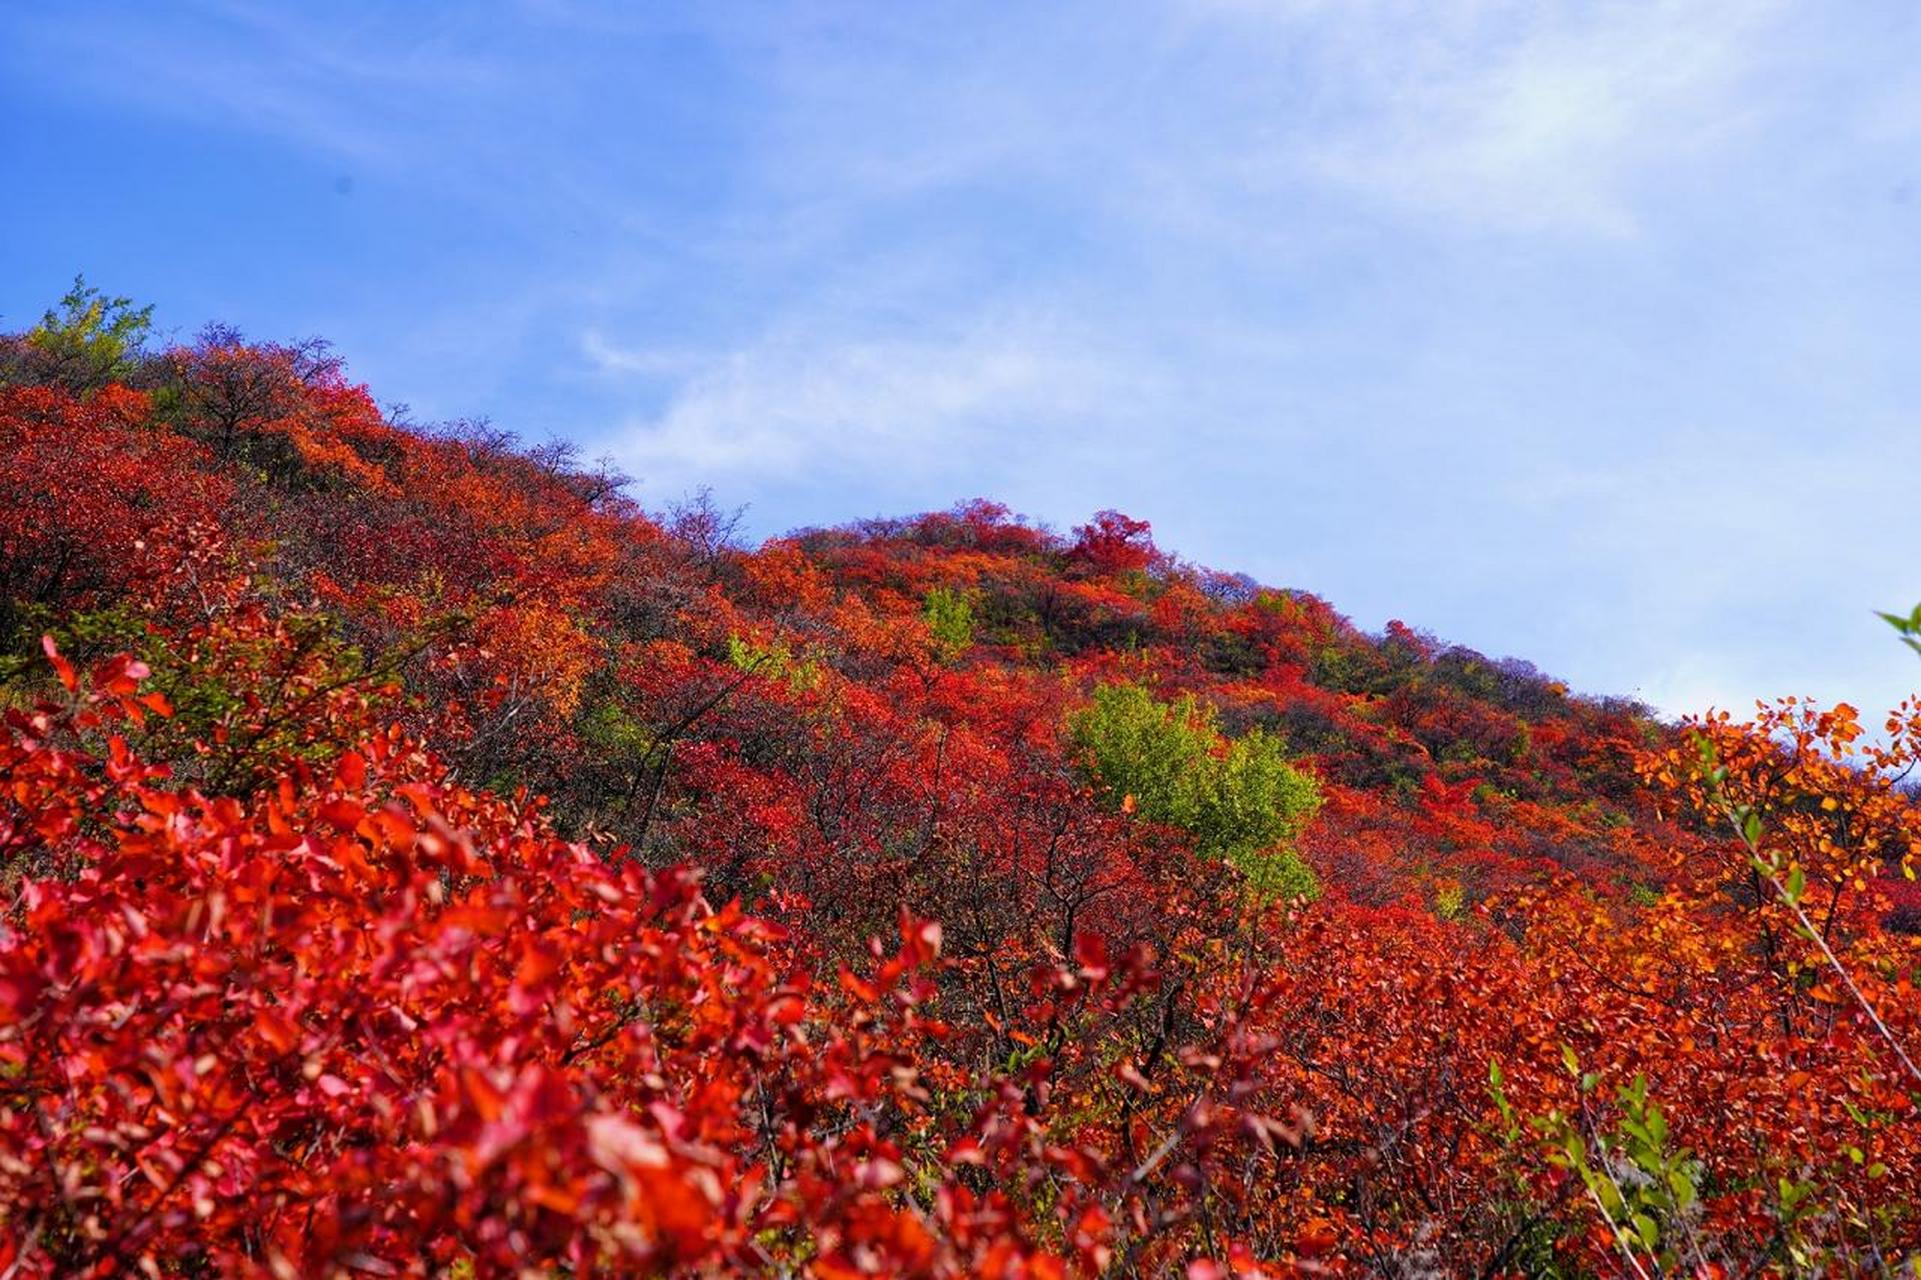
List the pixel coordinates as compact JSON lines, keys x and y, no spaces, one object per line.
{"x":449,"y":866}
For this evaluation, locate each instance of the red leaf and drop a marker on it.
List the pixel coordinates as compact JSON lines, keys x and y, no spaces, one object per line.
{"x":61,"y":667}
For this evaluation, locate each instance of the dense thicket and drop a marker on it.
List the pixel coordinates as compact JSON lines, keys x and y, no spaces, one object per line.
{"x":416,"y":858}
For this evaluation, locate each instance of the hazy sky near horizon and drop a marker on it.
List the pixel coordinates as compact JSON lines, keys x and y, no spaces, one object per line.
{"x":1582,"y":332}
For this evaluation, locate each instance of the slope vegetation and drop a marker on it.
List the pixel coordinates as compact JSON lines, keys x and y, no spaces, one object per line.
{"x":418,"y":859}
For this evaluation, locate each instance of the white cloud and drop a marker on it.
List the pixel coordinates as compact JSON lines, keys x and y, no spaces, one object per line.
{"x":611,"y":359}
{"x":833,"y":404}
{"x":1523,"y":117}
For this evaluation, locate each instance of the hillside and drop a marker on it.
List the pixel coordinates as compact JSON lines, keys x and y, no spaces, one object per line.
{"x":421,"y":859}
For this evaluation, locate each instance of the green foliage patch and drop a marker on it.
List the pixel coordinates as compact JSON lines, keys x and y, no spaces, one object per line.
{"x":950,"y":620}
{"x":1240,"y":799}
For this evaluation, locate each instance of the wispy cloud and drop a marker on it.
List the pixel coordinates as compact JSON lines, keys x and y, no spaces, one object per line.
{"x":1515,"y":117}
{"x":817,"y":409}
{"x":348,"y":89}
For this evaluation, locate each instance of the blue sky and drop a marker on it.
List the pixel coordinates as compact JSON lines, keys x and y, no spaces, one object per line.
{"x":1586,"y":333}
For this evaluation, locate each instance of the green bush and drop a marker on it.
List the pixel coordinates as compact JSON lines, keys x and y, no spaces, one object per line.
{"x":92,"y":339}
{"x":950,"y":620}
{"x":776,"y":661}
{"x":1240,"y":799}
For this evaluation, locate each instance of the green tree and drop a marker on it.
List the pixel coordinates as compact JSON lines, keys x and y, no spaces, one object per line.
{"x":950,"y":620}
{"x":1241,"y":800}
{"x":92,"y":339}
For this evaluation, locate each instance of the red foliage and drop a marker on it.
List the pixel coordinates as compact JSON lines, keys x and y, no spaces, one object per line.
{"x":1112,"y":543}
{"x":361,"y":897}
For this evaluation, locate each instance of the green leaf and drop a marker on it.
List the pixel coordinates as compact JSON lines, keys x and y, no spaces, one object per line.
{"x":1611,"y":1202}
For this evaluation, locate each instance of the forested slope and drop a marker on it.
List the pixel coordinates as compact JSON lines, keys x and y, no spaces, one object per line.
{"x":419,"y":858}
